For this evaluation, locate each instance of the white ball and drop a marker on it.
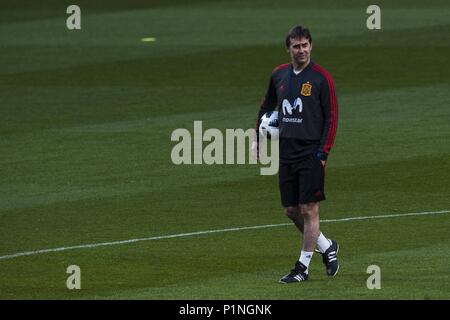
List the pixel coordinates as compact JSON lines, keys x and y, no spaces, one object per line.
{"x":269,"y":125}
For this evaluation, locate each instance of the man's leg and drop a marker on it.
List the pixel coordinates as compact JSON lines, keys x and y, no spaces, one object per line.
{"x":311,"y":225}
{"x":305,"y":218}
{"x":294,"y":214}
{"x":311,"y":237}
{"x":299,"y":273}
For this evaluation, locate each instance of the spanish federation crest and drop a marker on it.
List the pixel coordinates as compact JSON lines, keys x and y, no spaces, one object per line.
{"x":306,"y":89}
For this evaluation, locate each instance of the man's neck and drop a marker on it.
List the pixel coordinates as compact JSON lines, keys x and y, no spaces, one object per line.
{"x":298,"y":67}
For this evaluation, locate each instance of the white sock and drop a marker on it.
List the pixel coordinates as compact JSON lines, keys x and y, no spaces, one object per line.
{"x":305,"y":259}
{"x":323,"y":243}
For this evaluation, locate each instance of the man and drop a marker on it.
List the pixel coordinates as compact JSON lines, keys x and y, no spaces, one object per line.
{"x":305,"y":96}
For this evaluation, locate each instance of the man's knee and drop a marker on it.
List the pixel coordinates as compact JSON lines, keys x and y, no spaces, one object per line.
{"x":292,"y":212}
{"x":309,"y":209}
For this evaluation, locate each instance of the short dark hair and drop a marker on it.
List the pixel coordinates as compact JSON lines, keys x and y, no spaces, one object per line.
{"x":298,"y":32}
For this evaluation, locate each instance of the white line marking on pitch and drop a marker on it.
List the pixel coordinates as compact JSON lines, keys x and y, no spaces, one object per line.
{"x":179,"y":235}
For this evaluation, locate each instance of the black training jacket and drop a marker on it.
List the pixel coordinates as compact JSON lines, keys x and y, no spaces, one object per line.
{"x":307,"y":111}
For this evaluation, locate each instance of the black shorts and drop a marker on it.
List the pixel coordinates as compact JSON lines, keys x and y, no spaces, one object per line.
{"x":302,"y":182}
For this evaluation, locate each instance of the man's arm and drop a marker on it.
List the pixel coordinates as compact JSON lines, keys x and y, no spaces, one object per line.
{"x":329,"y":105}
{"x":269,"y":103}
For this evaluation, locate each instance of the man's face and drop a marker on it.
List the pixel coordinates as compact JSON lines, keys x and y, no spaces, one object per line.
{"x":300,"y":51}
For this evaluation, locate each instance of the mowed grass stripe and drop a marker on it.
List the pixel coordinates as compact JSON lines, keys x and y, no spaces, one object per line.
{"x":118,"y":147}
{"x":113,"y":243}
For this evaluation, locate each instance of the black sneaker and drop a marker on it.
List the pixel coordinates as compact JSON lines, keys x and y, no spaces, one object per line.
{"x":329,"y":258}
{"x":297,"y":274}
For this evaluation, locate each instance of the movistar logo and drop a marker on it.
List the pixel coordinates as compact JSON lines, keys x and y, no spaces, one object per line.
{"x":288,"y":108}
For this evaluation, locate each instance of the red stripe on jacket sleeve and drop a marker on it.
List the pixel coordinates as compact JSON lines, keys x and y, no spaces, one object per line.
{"x":331,"y":135}
{"x":280,"y":67}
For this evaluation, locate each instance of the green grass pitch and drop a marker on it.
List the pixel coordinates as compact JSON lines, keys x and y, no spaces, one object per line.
{"x":85,"y":124}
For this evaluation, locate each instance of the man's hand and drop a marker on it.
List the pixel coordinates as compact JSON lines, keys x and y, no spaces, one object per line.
{"x":322,"y":156}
